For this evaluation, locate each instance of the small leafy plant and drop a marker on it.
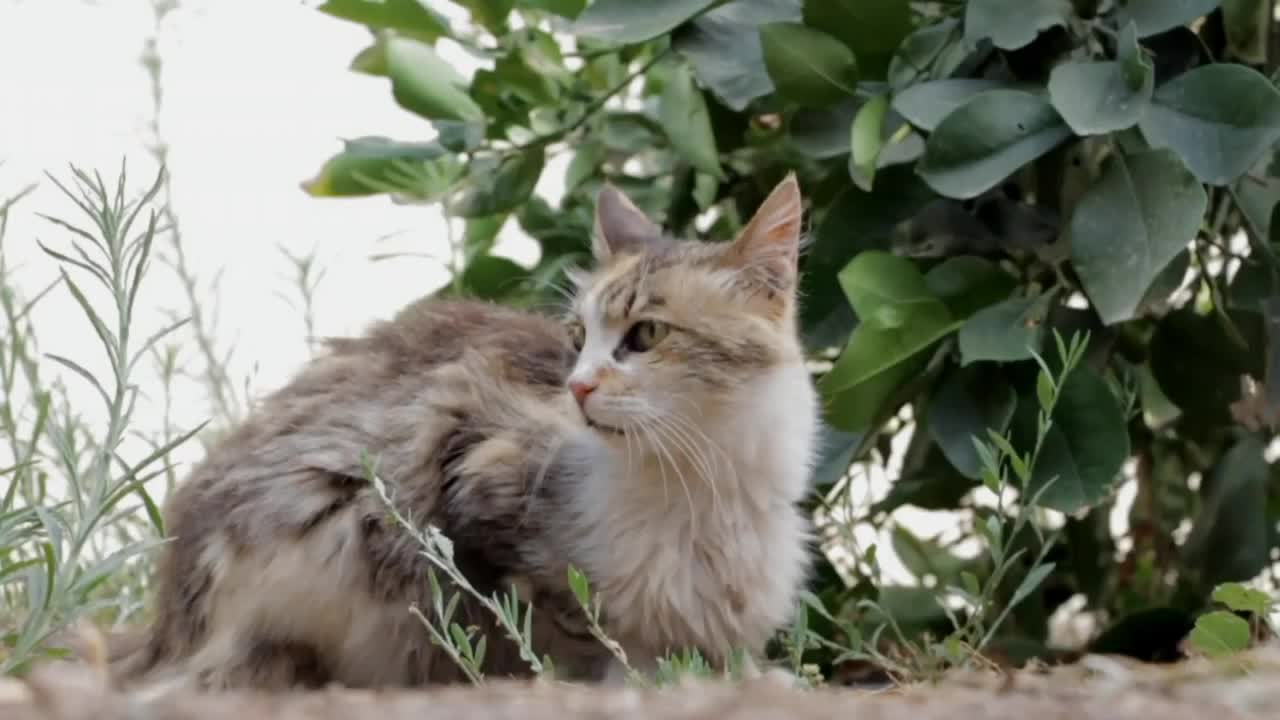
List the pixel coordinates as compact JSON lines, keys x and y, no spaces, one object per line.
{"x":1003,"y":468}
{"x":54,"y":548}
{"x":465,"y":645}
{"x":1223,"y":633}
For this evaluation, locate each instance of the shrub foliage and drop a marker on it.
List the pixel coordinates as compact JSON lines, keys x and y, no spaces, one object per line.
{"x":984,"y":176}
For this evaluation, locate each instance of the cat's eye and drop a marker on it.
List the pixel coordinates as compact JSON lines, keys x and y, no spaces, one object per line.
{"x":577,"y":335}
{"x":643,"y":335}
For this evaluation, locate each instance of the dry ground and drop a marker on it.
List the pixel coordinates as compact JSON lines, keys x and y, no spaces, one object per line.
{"x":1097,"y":688}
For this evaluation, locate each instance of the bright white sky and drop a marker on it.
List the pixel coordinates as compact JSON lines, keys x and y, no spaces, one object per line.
{"x":258,"y":95}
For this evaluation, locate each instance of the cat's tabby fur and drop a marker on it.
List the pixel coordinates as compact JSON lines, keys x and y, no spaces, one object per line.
{"x":674,"y":487}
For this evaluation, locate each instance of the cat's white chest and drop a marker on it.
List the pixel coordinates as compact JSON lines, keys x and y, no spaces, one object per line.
{"x":705,"y":551}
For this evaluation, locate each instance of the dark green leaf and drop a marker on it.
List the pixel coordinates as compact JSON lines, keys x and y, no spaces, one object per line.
{"x":521,"y":85}
{"x":586,"y":162}
{"x":1011,"y":25}
{"x":806,"y":65}
{"x":873,"y":29}
{"x":1096,"y":98}
{"x":411,"y":17}
{"x":1219,"y":118}
{"x":855,"y":221}
{"x":931,"y":52}
{"x":1257,"y":193}
{"x":873,"y":351}
{"x":1156,"y":16}
{"x":480,"y":234}
{"x":927,"y":103}
{"x":855,"y":408}
{"x":1220,"y":633}
{"x":1229,"y":537}
{"x":1009,"y":331}
{"x":459,"y":137}
{"x":968,"y":283}
{"x":630,"y":132}
{"x":900,"y":318}
{"x":684,"y":117}
{"x":1131,"y":224}
{"x":625,"y":22}
{"x":724,"y":47}
{"x":1246,"y":23}
{"x":1198,"y":365}
{"x":968,"y":404}
{"x":884,"y":289}
{"x":881,"y":355}
{"x":556,"y":232}
{"x":493,"y":189}
{"x":1084,"y":449}
{"x":823,"y":132}
{"x":988,"y":138}
{"x":366,"y":159}
{"x":425,"y":84}
{"x":493,"y":278}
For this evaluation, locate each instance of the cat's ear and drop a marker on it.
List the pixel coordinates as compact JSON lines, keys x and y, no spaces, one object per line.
{"x":768,"y":248}
{"x":620,"y":226}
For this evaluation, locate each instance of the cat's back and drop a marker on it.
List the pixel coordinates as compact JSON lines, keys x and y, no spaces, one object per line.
{"x":529,"y":348}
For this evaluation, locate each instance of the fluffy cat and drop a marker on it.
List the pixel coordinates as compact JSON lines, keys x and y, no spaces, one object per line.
{"x":659,"y":440}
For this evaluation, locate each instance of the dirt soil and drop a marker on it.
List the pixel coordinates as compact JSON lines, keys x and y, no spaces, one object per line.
{"x":1096,"y":688}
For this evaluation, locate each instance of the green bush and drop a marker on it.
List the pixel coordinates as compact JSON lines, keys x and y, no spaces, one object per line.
{"x":991,"y":183}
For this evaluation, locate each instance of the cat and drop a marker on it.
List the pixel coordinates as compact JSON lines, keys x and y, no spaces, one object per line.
{"x":659,"y":438}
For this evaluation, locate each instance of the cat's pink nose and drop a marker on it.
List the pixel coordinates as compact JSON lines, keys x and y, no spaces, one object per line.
{"x":581,"y":390}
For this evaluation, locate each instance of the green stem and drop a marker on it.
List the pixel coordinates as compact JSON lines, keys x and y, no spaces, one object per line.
{"x":595,"y":106}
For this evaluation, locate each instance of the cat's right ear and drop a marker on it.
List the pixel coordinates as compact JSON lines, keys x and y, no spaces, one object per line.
{"x":620,"y":226}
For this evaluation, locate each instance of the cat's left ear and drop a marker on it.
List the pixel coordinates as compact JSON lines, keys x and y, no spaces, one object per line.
{"x":620,"y":226}
{"x":769,"y":246}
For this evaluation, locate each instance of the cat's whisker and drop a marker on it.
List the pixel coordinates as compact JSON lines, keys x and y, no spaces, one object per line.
{"x":697,"y":457}
{"x":566,"y":293}
{"x":639,"y":426}
{"x":693,"y":427}
{"x":656,"y":439}
{"x":631,"y":467}
{"x":690,"y":402}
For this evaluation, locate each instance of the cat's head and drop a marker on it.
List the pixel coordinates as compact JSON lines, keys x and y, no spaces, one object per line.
{"x":669,"y":329}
